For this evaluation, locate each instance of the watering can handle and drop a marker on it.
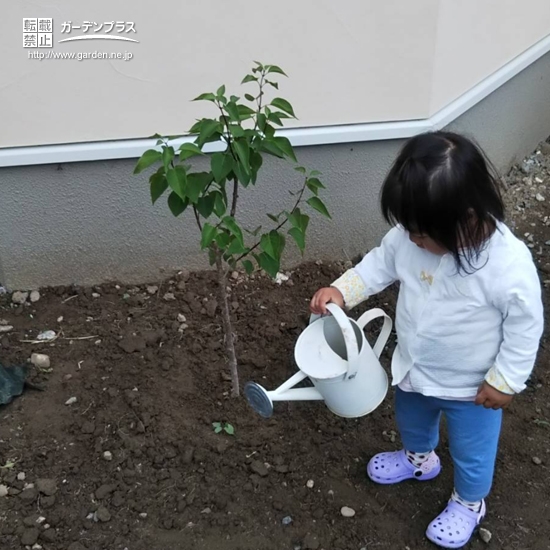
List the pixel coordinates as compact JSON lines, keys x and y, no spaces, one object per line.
{"x":369,"y":316}
{"x":352,"y":348}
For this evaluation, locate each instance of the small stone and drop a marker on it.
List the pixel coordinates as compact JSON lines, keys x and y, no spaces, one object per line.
{"x":40,"y":360}
{"x":67,"y":377}
{"x":103,"y":514}
{"x":19,"y":297}
{"x":36,"y":547}
{"x":235,"y":275}
{"x":71,"y":401}
{"x":259,"y":468}
{"x":3,"y":491}
{"x":206,"y":511}
{"x":60,"y":319}
{"x":21,"y":476}
{"x":47,"y":335}
{"x":287,"y":520}
{"x":539,"y":197}
{"x":108,"y":456}
{"x":96,"y":295}
{"x":181,"y":318}
{"x":347,"y":512}
{"x":30,"y":536}
{"x":5,"y":328}
{"x":310,"y":484}
{"x":169,"y":297}
{"x":152,"y":289}
{"x":143,"y":515}
{"x":536,"y":460}
{"x":35,"y":296}
{"x":485,"y":535}
{"x":47,"y":487}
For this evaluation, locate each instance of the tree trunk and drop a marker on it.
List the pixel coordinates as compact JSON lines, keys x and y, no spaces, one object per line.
{"x":227,"y":326}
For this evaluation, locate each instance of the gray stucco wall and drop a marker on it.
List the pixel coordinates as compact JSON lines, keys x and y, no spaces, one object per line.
{"x":90,"y":222}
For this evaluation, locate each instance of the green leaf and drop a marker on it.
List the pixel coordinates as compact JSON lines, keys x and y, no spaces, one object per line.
{"x":298,"y":220}
{"x":300,"y":169}
{"x":242,"y":176}
{"x":222,"y":239}
{"x":268,"y":264}
{"x":236,"y":130}
{"x":147,"y":159}
{"x":210,"y":130}
{"x":188,"y":150}
{"x":299,"y":237}
{"x":313,"y":184}
{"x":229,"y":429}
{"x":317,"y":204}
{"x":284,"y":144}
{"x":249,"y":78}
{"x":233,"y":111}
{"x":196,"y":184}
{"x":243,"y":152}
{"x":274,"y":84}
{"x":248,"y":266}
{"x":245,"y":112}
{"x":159,"y":184}
{"x":208,"y":234}
{"x":272,"y":244}
{"x":249,"y":97}
{"x":262,"y":119}
{"x":271,"y":147}
{"x":275,"y":69}
{"x":167,"y":156}
{"x":177,"y":180}
{"x":236,"y":247}
{"x":275,"y":118}
{"x":315,"y":173}
{"x":221,"y":91}
{"x":284,"y":105}
{"x":234,"y":228}
{"x":218,"y":429}
{"x":256,"y":162}
{"x":176,"y":204}
{"x":274,"y":218}
{"x":221,"y":164}
{"x":255,"y":232}
{"x":205,"y":205}
{"x":220,"y":205}
{"x":205,"y":97}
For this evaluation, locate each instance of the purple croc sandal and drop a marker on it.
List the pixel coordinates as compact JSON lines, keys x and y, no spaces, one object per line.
{"x":388,"y":468}
{"x":454,"y":527}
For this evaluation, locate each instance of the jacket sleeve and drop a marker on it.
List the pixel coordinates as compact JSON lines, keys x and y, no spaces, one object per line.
{"x":374,"y":273}
{"x":519,"y":300}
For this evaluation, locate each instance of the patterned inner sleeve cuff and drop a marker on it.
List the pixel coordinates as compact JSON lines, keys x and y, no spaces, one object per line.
{"x":497,"y":381}
{"x":352,"y":288}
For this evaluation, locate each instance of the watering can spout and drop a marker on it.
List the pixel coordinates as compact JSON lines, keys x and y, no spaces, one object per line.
{"x":261,"y":400}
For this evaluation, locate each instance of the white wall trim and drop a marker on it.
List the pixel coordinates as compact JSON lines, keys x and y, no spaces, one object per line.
{"x":323,"y":135}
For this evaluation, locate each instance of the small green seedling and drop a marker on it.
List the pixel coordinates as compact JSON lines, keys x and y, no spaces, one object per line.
{"x":223,"y":427}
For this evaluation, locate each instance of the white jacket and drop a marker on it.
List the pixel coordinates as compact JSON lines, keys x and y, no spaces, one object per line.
{"x":456,"y":329}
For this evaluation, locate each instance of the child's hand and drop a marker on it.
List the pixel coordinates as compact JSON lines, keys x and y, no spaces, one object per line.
{"x":324,"y":296}
{"x":491,"y":398}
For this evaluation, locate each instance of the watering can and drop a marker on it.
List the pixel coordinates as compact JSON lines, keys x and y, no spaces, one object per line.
{"x":334,"y":353}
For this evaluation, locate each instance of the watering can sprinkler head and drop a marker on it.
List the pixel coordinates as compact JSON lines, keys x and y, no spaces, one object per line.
{"x":258,"y":399}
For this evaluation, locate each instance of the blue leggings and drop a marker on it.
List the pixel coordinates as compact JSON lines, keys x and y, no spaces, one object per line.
{"x":473,"y":437}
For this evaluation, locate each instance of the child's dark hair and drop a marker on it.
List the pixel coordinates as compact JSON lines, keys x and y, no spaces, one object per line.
{"x":442,"y":185}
